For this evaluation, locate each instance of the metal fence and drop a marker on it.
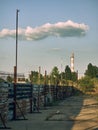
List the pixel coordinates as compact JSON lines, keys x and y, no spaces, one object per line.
{"x":16,"y":100}
{"x":3,"y":103}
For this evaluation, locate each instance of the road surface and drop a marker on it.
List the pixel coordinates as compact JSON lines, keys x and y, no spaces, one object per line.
{"x":74,"y":113}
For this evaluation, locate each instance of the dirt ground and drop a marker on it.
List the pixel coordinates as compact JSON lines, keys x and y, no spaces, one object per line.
{"x":74,"y":113}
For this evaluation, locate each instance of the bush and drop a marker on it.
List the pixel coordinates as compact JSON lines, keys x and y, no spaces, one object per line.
{"x":86,"y":84}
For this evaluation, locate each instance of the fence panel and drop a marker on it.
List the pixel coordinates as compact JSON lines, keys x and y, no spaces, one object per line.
{"x":3,"y":103}
{"x":27,"y":95}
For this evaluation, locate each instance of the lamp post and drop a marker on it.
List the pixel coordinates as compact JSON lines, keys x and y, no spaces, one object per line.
{"x":15,"y":67}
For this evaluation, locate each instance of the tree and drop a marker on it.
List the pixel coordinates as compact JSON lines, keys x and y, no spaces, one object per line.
{"x":1,"y":80}
{"x":26,"y":80}
{"x":62,"y":78}
{"x":95,"y":81}
{"x":34,"y":78}
{"x":92,"y":71}
{"x":86,"y":84}
{"x":68,"y":75}
{"x":55,"y":75}
{"x":9,"y":79}
{"x":74,"y":76}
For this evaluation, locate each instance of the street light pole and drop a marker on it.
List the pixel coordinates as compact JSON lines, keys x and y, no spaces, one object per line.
{"x":15,"y":68}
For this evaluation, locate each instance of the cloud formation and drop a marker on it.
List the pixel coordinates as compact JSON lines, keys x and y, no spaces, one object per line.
{"x":60,"y":29}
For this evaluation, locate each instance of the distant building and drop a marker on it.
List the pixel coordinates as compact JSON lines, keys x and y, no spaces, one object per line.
{"x":20,"y":76}
{"x":72,"y":62}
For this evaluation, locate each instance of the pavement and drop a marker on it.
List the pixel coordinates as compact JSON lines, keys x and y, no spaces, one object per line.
{"x":74,"y":113}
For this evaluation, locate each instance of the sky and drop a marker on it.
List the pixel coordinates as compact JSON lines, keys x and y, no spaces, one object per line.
{"x":49,"y":31}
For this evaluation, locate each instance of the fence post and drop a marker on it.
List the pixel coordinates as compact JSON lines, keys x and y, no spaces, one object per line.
{"x":14,"y":102}
{"x":31,"y":99}
{"x":45,"y":89}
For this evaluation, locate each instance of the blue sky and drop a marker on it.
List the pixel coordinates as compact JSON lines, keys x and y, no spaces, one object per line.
{"x":50,"y":31}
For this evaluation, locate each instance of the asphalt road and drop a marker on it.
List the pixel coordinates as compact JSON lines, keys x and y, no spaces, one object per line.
{"x":74,"y":113}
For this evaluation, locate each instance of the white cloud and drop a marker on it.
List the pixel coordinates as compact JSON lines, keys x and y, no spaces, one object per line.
{"x":60,"y":29}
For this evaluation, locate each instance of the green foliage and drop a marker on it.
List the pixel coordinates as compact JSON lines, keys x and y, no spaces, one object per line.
{"x":55,"y":77}
{"x":74,"y":76}
{"x":26,"y":80}
{"x":35,"y":78}
{"x":65,"y":78}
{"x":95,"y":81}
{"x":1,"y":80}
{"x":62,"y":78}
{"x":92,"y":71}
{"x":9,"y":79}
{"x":55,"y":72}
{"x":68,"y":75}
{"x":86,"y":84}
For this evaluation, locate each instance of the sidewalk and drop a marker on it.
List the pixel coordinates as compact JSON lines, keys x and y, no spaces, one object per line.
{"x":74,"y":113}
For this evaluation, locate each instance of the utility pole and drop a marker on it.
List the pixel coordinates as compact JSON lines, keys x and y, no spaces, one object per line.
{"x":15,"y":67}
{"x":39,"y":87}
{"x":45,"y":88}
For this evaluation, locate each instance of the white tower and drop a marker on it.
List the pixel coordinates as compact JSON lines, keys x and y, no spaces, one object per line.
{"x":72,"y":62}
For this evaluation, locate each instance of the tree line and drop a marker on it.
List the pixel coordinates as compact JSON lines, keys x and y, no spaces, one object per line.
{"x":89,"y":82}
{"x":54,"y":78}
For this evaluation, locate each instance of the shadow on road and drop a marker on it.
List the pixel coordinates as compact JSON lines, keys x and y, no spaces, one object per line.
{"x":74,"y":113}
